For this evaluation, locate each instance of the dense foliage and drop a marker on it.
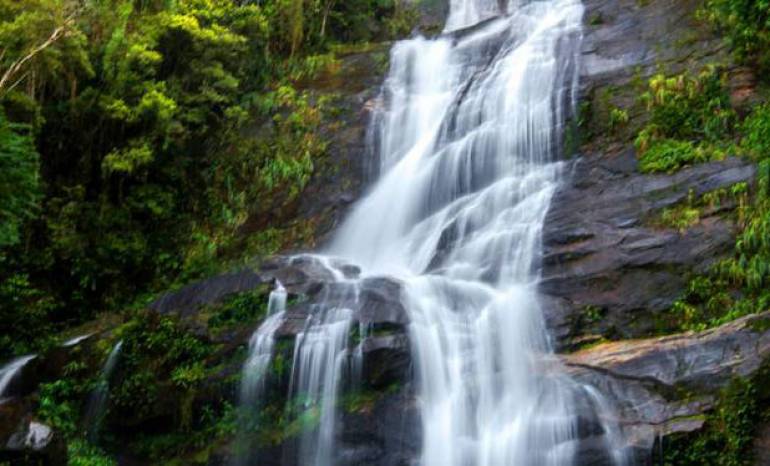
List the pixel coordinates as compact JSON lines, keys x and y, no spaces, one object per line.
{"x":690,"y":121}
{"x":162,"y":129}
{"x":746,"y":25}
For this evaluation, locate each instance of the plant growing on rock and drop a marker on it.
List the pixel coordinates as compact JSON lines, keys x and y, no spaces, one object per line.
{"x":691,"y":121}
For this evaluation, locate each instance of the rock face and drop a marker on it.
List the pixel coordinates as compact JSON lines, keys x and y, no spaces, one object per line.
{"x":661,"y":386}
{"x":608,"y":270}
{"x":602,"y":254}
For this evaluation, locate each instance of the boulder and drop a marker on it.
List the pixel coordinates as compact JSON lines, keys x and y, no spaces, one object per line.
{"x":663,"y":386}
{"x":34,"y":443}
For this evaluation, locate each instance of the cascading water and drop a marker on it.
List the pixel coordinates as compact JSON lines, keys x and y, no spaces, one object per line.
{"x":467,"y":146}
{"x":97,"y":399}
{"x":467,"y":149}
{"x":254,"y":371}
{"x":322,"y":359}
{"x":10,"y":372}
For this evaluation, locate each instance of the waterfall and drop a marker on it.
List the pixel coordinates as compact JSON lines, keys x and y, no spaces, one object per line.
{"x":97,"y":399}
{"x":10,"y":371}
{"x":467,"y":148}
{"x":261,"y":348}
{"x":468,"y":145}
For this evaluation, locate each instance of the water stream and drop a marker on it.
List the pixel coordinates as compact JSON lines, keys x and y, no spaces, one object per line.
{"x":10,"y":372}
{"x":97,"y":400}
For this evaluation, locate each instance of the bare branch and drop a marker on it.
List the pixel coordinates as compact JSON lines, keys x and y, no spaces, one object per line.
{"x":17,"y":65}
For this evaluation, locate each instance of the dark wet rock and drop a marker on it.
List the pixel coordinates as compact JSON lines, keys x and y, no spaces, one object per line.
{"x":761,"y":447}
{"x":627,"y":41}
{"x":12,"y":411}
{"x":34,"y":443}
{"x":387,"y":433}
{"x":209,"y":291}
{"x":601,"y":253}
{"x":663,"y":386}
{"x":300,"y":275}
{"x":386,"y":359}
{"x":625,"y":38}
{"x":340,"y":176}
{"x":382,"y":430}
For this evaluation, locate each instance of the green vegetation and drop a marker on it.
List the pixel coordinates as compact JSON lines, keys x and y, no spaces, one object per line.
{"x":144,"y":145}
{"x":688,"y":213}
{"x":737,"y":285}
{"x":240,"y":309}
{"x":728,"y":432}
{"x":746,"y":26}
{"x":690,"y":121}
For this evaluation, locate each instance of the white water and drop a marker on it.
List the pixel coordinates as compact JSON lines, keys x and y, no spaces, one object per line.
{"x":261,"y":348}
{"x":97,"y":399}
{"x":321,"y":361}
{"x":10,"y":371}
{"x":254,"y":372}
{"x":468,"y":144}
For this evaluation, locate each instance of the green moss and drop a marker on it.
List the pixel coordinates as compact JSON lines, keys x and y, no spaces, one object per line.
{"x":596,"y":19}
{"x":592,"y":314}
{"x":363,"y":401}
{"x":239,"y":309}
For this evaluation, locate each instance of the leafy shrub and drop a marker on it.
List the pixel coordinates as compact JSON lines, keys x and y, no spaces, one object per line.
{"x":81,"y":453}
{"x":691,"y":121}
{"x":158,"y":354}
{"x":746,"y":25}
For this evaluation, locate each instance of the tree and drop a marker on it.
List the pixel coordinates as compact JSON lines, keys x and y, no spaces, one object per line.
{"x":19,"y":179}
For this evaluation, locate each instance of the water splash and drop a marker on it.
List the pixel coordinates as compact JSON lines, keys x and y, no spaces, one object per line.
{"x":97,"y":400}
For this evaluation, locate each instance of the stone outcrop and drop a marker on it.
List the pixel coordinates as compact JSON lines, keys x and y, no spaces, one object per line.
{"x":664,"y":386}
{"x":34,"y":443}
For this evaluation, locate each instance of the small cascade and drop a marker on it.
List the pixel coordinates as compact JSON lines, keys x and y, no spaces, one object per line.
{"x":97,"y":400}
{"x":323,"y":361}
{"x":10,"y":372}
{"x":254,"y":373}
{"x":261,"y":348}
